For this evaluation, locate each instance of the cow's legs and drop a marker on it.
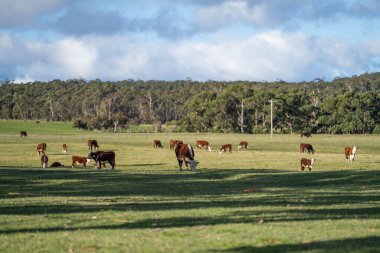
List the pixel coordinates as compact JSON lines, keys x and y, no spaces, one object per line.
{"x":180,"y":164}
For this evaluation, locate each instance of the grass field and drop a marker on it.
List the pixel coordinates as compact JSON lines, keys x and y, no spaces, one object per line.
{"x":247,"y":201}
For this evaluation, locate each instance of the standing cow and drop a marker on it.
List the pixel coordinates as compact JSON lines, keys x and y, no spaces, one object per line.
{"x":243,"y":145}
{"x":185,"y":153}
{"x":64,"y":148}
{"x":308,"y":147}
{"x":44,"y":161}
{"x":203,"y":144}
{"x":41,"y":148}
{"x":225,"y":148}
{"x":103,"y":156}
{"x":157,"y":144}
{"x":23,"y":134}
{"x":307,"y":163}
{"x":92,"y":144}
{"x":79,"y":160}
{"x":350,"y":152}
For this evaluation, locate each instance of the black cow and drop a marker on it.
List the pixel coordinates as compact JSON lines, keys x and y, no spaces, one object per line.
{"x":101,"y":157}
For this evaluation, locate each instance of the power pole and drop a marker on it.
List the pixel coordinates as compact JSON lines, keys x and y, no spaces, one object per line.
{"x":271,"y":118}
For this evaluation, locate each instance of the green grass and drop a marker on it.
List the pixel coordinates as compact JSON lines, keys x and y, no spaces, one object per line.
{"x":247,"y":201}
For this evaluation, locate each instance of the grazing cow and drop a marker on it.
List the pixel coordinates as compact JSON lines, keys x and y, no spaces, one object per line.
{"x":92,"y":144}
{"x":308,"y":147}
{"x":41,"y":148}
{"x":225,"y":148}
{"x":103,"y":156}
{"x":79,"y":160}
{"x":174,"y":143}
{"x":56,"y":164}
{"x":350,"y":153}
{"x":64,"y":148}
{"x":157,"y":144}
{"x":44,"y":161}
{"x":185,"y":153}
{"x":243,"y":145}
{"x":306,"y":134}
{"x":307,"y":163}
{"x":23,"y":134}
{"x":203,"y":144}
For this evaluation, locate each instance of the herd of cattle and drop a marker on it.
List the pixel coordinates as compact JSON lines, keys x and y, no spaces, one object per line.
{"x":184,"y":153}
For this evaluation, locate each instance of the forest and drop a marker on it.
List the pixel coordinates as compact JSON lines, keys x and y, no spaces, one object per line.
{"x":349,"y":105}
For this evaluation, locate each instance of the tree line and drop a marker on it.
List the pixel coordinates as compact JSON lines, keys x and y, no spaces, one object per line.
{"x":343,"y":105}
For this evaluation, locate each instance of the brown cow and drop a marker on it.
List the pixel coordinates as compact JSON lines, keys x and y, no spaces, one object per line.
{"x":44,"y":161}
{"x":306,"y":134}
{"x":174,"y":143}
{"x":225,"y":148}
{"x":243,"y":145}
{"x":185,"y":153}
{"x":56,"y":164}
{"x":157,"y":144}
{"x":79,"y":160}
{"x":350,"y":152}
{"x":308,"y":147}
{"x":103,"y":156}
{"x":64,"y":148}
{"x":307,"y":163}
{"x":92,"y":144}
{"x":23,"y":134}
{"x":203,"y":144}
{"x":41,"y":148}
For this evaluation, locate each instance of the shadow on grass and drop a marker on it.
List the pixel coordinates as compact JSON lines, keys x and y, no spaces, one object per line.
{"x":363,"y":245}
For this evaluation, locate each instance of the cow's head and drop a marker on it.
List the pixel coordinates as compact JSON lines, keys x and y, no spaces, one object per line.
{"x":91,"y":155}
{"x":193,"y":165}
{"x":354,"y":149}
{"x":209,"y":148}
{"x":312,"y":160}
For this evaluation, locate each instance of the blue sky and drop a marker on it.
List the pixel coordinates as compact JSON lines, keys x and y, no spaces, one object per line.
{"x":292,"y":40}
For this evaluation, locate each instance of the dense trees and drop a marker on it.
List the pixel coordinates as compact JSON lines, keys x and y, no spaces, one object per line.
{"x":344,"y":105}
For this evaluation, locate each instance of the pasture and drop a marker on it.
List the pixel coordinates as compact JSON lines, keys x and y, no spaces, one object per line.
{"x":256,"y":200}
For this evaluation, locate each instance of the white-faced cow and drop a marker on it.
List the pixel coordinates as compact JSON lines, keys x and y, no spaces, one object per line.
{"x":174,"y":143}
{"x":203,"y":144}
{"x":103,"y":156}
{"x":307,"y":163}
{"x":157,"y":144}
{"x":44,"y":161}
{"x":225,"y":148}
{"x":79,"y":160}
{"x":64,"y":148}
{"x":92,"y":144}
{"x":243,"y":145}
{"x":185,"y":153}
{"x":56,"y":165}
{"x":308,"y":147}
{"x":41,"y":148}
{"x":23,"y":134}
{"x":350,"y":153}
{"x":306,"y":134}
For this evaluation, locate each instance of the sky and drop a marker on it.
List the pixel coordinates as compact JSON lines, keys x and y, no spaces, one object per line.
{"x":221,"y":40}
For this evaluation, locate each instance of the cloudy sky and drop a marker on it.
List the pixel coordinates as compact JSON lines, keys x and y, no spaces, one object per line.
{"x":256,"y":40}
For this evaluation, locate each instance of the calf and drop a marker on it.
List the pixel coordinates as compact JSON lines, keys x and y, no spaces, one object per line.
{"x":225,"y":148}
{"x":92,"y":144}
{"x":307,"y":163}
{"x":306,"y":134}
{"x":243,"y":145}
{"x":79,"y":160}
{"x":157,"y":144}
{"x":23,"y":134}
{"x":350,"y":153}
{"x":41,"y":148}
{"x":56,"y":164}
{"x":103,"y":156}
{"x":174,"y":143}
{"x":203,"y":144}
{"x":64,"y":148}
{"x":308,"y":147}
{"x":185,"y":153}
{"x":44,"y":161}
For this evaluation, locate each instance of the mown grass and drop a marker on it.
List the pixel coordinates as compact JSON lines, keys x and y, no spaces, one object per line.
{"x":247,"y":201}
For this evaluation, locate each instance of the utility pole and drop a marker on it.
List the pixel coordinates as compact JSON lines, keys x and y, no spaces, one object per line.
{"x":271,"y":118}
